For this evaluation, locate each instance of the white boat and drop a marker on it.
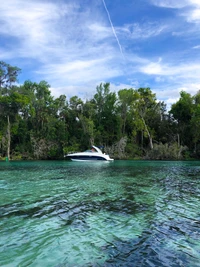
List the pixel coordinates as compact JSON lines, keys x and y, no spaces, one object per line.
{"x":95,"y":154}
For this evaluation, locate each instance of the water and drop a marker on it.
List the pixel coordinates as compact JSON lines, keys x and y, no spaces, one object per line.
{"x":122,"y":213}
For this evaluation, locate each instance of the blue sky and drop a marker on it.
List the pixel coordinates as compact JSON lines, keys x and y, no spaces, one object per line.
{"x":76,"y":44}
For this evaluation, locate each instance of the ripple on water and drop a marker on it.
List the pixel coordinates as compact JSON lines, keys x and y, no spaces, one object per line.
{"x":124,"y":214}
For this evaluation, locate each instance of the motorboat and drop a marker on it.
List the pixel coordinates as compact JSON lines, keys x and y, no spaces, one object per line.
{"x":94,"y":154}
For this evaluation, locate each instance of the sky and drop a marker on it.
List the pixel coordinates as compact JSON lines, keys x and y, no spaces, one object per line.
{"x":75,"y":45}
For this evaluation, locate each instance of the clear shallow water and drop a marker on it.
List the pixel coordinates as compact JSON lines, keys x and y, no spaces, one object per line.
{"x":122,"y":213}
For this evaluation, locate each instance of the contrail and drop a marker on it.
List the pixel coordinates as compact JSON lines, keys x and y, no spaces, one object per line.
{"x":113,"y":29}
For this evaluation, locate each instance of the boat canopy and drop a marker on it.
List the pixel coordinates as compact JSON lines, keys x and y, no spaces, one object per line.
{"x":97,"y":149}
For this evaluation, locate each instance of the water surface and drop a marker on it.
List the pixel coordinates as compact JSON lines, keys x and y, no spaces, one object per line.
{"x":121,"y":213}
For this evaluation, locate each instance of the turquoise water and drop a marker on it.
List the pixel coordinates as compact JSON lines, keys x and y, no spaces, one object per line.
{"x":121,"y":213}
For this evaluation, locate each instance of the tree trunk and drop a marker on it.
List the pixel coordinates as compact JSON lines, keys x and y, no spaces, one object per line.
{"x":142,"y":138}
{"x":178,"y":137}
{"x":8,"y":138}
{"x":148,"y":133}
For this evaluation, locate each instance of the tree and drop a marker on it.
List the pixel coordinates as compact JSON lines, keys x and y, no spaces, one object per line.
{"x":11,"y":105}
{"x":106,"y":120}
{"x":146,"y":107}
{"x":87,"y":120}
{"x":126,"y":98}
{"x":195,"y":124}
{"x":44,"y":119}
{"x":73,"y":121}
{"x":182,"y":112}
{"x":8,"y":76}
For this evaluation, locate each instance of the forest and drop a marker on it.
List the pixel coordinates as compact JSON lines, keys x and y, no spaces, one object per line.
{"x":128,"y":124}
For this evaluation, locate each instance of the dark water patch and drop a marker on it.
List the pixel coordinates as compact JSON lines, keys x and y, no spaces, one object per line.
{"x":8,"y":209}
{"x":59,"y":178}
{"x":156,"y":247}
{"x":77,"y":215}
{"x":53,"y":207}
{"x":97,"y":194}
{"x":20,"y":210}
{"x":123,"y":206}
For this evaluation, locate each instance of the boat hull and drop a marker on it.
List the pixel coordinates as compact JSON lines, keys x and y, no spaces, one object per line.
{"x":88,"y":158}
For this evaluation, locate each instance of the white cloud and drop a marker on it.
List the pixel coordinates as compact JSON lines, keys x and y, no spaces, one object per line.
{"x":99,"y":31}
{"x":193,"y":15}
{"x":159,"y":79}
{"x":47,"y":31}
{"x":194,"y":2}
{"x":79,"y":72}
{"x":183,"y":70}
{"x":71,"y":45}
{"x":190,"y":9}
{"x":191,"y":88}
{"x":28,"y":21}
{"x":170,"y":3}
{"x":144,"y":31}
{"x":171,"y":94}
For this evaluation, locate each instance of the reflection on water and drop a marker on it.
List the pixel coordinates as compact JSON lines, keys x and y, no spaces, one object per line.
{"x":122,"y":213}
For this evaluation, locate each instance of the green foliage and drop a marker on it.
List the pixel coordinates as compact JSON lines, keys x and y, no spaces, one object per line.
{"x":106,"y":119}
{"x":8,"y":76}
{"x":182,"y":109}
{"x":167,"y":152}
{"x":70,"y":149}
{"x":186,"y":114}
{"x":131,"y":123}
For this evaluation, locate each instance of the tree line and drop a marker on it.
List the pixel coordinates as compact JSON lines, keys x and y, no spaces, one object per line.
{"x":128,"y":124}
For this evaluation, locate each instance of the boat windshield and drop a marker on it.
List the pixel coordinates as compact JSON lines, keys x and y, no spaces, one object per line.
{"x":94,"y":149}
